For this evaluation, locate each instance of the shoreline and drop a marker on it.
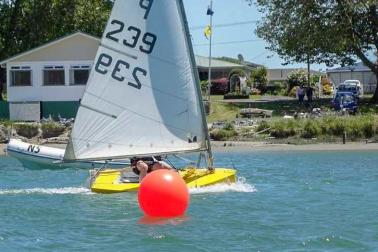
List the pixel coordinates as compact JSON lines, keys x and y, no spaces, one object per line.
{"x":240,"y":146}
{"x":263,"y":146}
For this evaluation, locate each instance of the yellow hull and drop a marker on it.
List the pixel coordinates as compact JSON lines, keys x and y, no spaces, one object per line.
{"x":111,"y":181}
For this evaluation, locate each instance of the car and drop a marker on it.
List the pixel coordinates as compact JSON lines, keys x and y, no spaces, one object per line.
{"x":345,"y":100}
{"x":354,"y":86}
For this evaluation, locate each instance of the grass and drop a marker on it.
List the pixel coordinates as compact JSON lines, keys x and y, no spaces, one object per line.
{"x":27,"y":130}
{"x":228,"y":112}
{"x":223,"y":112}
{"x":327,"y":128}
{"x":51,"y":129}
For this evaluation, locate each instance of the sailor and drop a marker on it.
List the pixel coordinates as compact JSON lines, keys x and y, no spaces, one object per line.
{"x":143,"y":165}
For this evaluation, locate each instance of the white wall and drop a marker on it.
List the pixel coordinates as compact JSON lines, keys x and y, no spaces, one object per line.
{"x":38,"y":92}
{"x":25,"y":111}
{"x":366,"y":78}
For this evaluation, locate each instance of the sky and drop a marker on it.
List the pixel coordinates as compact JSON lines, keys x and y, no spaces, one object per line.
{"x":231,"y":40}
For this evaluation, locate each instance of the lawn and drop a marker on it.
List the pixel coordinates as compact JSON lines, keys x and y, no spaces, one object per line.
{"x":227,"y":112}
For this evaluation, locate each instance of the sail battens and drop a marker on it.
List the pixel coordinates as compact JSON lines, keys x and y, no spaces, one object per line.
{"x":119,"y":51}
{"x":142,"y":94}
{"x":98,"y":111}
{"x":142,"y":154}
{"x":185,"y":130}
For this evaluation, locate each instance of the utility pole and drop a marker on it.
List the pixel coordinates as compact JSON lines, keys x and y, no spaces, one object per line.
{"x":210,"y":12}
{"x":308,"y":71}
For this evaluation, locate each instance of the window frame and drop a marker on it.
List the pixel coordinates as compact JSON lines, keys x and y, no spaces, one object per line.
{"x":20,"y":68}
{"x":53,"y":68}
{"x":72,"y":69}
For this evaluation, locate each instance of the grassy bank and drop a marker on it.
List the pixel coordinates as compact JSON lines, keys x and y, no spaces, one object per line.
{"x":221,"y":111}
{"x":325,"y":129}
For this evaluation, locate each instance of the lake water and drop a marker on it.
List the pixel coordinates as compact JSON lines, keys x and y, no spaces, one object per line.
{"x":284,"y":201}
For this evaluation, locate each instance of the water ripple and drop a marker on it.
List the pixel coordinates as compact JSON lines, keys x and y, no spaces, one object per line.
{"x":65,"y":190}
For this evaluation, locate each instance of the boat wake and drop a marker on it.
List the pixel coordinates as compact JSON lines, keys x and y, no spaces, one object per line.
{"x":51,"y":191}
{"x":240,"y":186}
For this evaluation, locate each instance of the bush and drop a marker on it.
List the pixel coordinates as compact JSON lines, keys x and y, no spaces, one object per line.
{"x":293,"y":92}
{"x":219,"y":87}
{"x":235,"y":95}
{"x":204,"y":86}
{"x":283,"y":129}
{"x":259,"y":77}
{"x":52,"y":129}
{"x":228,"y":126}
{"x":311,"y":129}
{"x":263,"y":125}
{"x":255,"y":91}
{"x":222,"y":134}
{"x":296,"y":78}
{"x":27,"y":130}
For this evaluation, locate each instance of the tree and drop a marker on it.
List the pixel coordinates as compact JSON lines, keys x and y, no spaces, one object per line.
{"x":25,"y":24}
{"x":296,"y":78}
{"x":259,"y":77}
{"x":322,"y":31}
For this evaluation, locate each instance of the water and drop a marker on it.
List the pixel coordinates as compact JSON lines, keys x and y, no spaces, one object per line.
{"x":284,"y":201}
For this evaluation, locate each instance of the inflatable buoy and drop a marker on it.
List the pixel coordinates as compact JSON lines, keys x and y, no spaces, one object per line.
{"x":163,"y":193}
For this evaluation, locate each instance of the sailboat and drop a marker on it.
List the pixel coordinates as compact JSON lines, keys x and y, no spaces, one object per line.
{"x":143,"y":98}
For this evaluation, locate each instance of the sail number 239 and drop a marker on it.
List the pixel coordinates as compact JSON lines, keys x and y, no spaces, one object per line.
{"x":130,"y":36}
{"x":119,"y":70}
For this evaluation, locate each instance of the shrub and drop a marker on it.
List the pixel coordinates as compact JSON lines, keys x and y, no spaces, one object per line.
{"x":52,"y":129}
{"x":259,"y":77}
{"x":255,"y":91}
{"x":311,"y":129}
{"x":367,"y":127}
{"x":296,"y":78}
{"x":293,"y":92}
{"x":228,"y":126}
{"x":283,"y":129}
{"x":222,"y":134}
{"x":219,"y":87}
{"x":27,"y":130}
{"x":235,"y":95}
{"x":204,"y":86}
{"x":263,"y":125}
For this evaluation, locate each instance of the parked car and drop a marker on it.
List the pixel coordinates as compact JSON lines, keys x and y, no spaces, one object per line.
{"x":353,"y":86}
{"x":345,"y":101}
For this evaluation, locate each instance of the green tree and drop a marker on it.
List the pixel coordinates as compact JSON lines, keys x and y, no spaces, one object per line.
{"x":260,"y":79}
{"x":322,"y":31}
{"x":296,"y":78}
{"x":25,"y":24}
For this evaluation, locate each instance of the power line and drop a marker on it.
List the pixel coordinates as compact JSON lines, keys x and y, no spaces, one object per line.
{"x":225,"y":25}
{"x":231,"y":42}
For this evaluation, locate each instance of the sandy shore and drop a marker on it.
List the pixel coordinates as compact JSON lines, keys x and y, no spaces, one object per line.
{"x":233,"y":146}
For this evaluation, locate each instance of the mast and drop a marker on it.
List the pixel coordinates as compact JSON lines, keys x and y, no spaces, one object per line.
{"x":199,"y":94}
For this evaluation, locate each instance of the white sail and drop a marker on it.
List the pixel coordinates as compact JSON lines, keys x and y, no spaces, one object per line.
{"x":142,"y":95}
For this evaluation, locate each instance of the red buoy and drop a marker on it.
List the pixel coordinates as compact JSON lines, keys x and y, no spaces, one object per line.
{"x":163,"y":193}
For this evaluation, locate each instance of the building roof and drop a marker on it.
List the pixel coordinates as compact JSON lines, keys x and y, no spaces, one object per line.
{"x":215,"y":63}
{"x":358,"y":67}
{"x":202,"y":62}
{"x":79,"y":33}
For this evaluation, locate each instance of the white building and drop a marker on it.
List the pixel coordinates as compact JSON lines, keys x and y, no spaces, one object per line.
{"x":355,"y":72}
{"x":56,"y":71}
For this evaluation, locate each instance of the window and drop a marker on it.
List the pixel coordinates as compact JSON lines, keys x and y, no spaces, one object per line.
{"x":53,"y":76}
{"x":20,"y":76}
{"x":79,"y":74}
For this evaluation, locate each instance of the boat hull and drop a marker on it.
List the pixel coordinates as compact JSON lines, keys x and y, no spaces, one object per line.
{"x":113,"y":181}
{"x":33,"y":156}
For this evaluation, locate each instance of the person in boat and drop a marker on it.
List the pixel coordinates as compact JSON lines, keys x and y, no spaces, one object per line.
{"x":144,"y":165}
